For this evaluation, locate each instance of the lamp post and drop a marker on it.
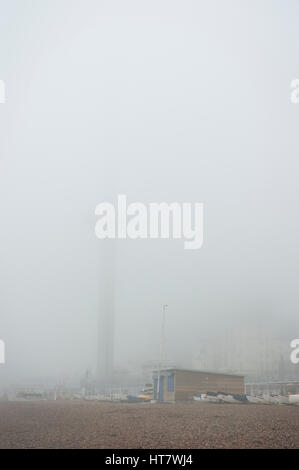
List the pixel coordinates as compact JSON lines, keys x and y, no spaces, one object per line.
{"x":162,"y":349}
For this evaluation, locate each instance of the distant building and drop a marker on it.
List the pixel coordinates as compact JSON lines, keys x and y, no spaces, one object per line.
{"x":249,"y":350}
{"x":275,"y":388}
{"x":183,"y":384}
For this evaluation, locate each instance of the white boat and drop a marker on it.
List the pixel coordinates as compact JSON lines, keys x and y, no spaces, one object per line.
{"x":227,"y":398}
{"x":203,"y":397}
{"x":255,"y":400}
{"x":269,"y":399}
{"x":276,"y":399}
{"x":294,"y":399}
{"x":281,"y":400}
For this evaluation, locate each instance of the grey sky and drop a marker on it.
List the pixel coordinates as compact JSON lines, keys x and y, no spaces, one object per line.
{"x":162,"y":101}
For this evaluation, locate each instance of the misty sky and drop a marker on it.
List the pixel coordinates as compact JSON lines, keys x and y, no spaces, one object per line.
{"x":167,"y":100}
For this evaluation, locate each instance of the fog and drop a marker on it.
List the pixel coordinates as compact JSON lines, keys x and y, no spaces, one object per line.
{"x":164,"y":101}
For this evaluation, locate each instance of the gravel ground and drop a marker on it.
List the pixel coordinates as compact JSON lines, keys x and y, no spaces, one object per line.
{"x":78,"y":424}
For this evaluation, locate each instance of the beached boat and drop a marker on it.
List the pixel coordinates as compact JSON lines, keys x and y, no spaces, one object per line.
{"x":255,"y":400}
{"x":294,"y":399}
{"x":205,"y":398}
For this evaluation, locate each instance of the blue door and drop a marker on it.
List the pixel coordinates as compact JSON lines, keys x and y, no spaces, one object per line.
{"x":161,"y":388}
{"x":155,"y":388}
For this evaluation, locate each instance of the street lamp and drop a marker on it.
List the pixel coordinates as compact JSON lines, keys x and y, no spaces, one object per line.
{"x":162,"y":349}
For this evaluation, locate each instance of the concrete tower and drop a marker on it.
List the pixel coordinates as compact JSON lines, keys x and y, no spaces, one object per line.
{"x":105,"y":363}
